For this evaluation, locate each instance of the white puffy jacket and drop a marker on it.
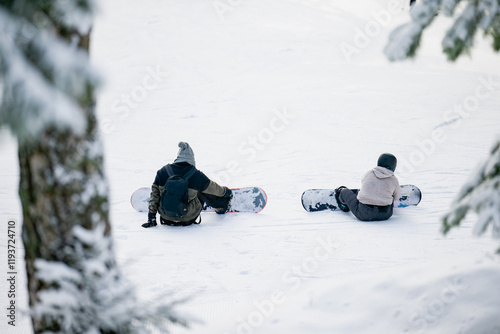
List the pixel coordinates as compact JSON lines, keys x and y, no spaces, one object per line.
{"x":379,"y":187}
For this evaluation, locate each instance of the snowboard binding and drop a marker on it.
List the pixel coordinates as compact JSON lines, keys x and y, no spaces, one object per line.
{"x":342,"y":206}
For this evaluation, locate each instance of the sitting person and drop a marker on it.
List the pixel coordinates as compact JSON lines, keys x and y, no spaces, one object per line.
{"x":200,"y":190}
{"x":379,"y":189}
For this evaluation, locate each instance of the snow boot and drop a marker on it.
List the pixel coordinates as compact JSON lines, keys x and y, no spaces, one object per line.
{"x":149,"y":224}
{"x":342,"y":206}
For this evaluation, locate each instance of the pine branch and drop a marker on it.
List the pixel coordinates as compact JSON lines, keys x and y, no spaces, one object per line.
{"x":477,"y":15}
{"x":404,"y":41}
{"x":480,"y":194}
{"x":45,"y":79}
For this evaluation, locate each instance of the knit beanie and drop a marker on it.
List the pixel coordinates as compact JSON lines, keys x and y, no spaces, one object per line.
{"x":185,"y":154}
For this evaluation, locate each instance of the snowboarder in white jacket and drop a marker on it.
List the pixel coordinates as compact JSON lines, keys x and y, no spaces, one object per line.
{"x":379,"y":189}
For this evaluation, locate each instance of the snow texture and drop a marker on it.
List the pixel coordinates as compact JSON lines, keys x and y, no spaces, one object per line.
{"x":265,"y":97}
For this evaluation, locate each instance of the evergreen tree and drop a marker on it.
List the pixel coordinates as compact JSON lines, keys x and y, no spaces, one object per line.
{"x":470,"y":16}
{"x":48,"y":102}
{"x":482,"y":192}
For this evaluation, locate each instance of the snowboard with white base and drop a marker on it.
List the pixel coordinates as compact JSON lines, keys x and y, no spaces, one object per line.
{"x":249,"y":199}
{"x":324,"y":199}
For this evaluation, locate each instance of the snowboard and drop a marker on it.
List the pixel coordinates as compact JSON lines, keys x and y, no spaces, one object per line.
{"x":324,"y":199}
{"x":249,"y":199}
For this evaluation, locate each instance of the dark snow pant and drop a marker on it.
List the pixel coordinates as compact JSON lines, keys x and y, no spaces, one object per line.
{"x":213,"y":201}
{"x":362,"y":211}
{"x":178,"y":223}
{"x":206,"y":200}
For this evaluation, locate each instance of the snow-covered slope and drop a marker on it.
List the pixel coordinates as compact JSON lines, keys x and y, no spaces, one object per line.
{"x":290,"y":95}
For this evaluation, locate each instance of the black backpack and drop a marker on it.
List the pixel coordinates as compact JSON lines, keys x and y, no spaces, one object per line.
{"x":174,"y":196}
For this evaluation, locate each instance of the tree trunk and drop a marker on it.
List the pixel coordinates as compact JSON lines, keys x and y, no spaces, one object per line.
{"x":62,"y":186}
{"x":66,"y":231}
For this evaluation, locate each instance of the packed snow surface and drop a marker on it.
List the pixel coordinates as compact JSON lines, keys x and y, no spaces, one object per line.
{"x":290,"y":95}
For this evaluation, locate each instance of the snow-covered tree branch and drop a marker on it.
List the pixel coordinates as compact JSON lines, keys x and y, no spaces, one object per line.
{"x":481,"y":193}
{"x":470,"y":16}
{"x":45,"y":78}
{"x":48,"y":103}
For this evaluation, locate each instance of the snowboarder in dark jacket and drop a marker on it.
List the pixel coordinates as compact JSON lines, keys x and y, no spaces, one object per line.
{"x":379,"y":189}
{"x":200,"y":190}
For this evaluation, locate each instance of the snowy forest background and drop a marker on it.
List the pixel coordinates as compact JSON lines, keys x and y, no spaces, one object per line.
{"x":304,"y":55}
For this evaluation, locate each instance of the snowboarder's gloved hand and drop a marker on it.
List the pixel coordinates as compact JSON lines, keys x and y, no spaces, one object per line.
{"x":151,"y":220}
{"x":227,"y":201}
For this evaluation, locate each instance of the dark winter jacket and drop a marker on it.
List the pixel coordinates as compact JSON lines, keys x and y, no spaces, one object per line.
{"x":197,"y":182}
